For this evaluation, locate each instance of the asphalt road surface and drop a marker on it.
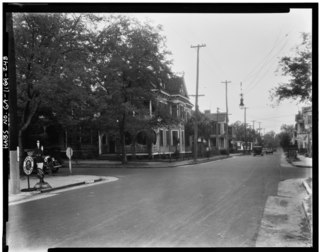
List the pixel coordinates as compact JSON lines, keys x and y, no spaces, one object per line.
{"x":216,"y":204}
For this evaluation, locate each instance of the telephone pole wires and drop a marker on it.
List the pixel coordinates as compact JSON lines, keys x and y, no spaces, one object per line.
{"x":197,"y":109}
{"x":227,"y":116}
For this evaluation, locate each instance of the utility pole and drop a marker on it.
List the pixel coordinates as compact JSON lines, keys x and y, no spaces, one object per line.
{"x":245,"y":128}
{"x":14,"y":182}
{"x":197,"y":109}
{"x":254,"y":133}
{"x":259,"y":128}
{"x":217,"y":130}
{"x":227,"y":115}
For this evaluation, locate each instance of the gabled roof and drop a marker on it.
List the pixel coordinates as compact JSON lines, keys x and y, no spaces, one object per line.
{"x":177,"y":86}
{"x":215,"y":116}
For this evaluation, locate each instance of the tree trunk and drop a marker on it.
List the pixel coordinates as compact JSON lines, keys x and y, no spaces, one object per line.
{"x":122,"y":140}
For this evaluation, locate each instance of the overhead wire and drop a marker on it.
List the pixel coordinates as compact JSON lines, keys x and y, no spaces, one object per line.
{"x":257,"y":65}
{"x":256,"y":81}
{"x":264,"y":65}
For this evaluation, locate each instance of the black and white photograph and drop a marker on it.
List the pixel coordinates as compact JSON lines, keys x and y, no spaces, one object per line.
{"x":144,"y":125}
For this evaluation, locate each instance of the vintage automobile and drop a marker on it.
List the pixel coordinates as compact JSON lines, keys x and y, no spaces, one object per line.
{"x":257,"y":150}
{"x":50,"y":164}
{"x":269,"y":151}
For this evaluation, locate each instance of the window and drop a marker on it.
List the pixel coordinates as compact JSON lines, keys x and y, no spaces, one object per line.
{"x":182,"y":136}
{"x":168,"y":137}
{"x":161,"y":137}
{"x":175,"y":137}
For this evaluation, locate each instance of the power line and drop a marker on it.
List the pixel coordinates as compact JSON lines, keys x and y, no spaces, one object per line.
{"x":256,"y":66}
{"x":268,"y":61}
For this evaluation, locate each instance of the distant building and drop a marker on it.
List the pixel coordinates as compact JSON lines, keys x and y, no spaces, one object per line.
{"x":219,"y":134}
{"x":303,"y":130}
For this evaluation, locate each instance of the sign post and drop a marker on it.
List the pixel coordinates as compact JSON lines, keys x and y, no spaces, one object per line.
{"x":28,"y":165}
{"x":69,"y":153}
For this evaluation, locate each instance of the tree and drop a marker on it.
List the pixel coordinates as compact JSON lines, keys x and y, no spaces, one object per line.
{"x":299,"y":68}
{"x":285,"y":135}
{"x":130,"y":60}
{"x":240,"y":135}
{"x":269,"y":140}
{"x":51,"y":59}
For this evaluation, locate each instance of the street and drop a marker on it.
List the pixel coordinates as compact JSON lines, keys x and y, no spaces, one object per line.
{"x":215,"y":204}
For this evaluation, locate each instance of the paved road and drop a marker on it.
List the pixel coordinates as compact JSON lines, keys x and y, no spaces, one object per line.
{"x":216,"y":204}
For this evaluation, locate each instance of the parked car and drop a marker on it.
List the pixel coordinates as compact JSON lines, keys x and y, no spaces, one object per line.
{"x":50,"y":164}
{"x":269,"y":151}
{"x":257,"y":150}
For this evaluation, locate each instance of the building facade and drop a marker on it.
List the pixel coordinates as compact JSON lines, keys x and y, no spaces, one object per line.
{"x":166,"y":140}
{"x":303,"y":130}
{"x":220,"y":134}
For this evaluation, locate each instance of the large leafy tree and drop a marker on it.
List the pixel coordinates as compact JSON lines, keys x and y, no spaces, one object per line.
{"x":242,"y":134}
{"x":52,"y":60}
{"x":299,"y":68}
{"x":130,"y":60}
{"x":286,"y":135}
{"x":270,"y":140}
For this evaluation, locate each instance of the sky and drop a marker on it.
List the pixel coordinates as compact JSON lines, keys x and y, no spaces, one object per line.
{"x":240,"y":48}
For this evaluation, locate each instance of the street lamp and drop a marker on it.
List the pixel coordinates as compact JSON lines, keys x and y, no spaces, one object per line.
{"x":242,"y":106}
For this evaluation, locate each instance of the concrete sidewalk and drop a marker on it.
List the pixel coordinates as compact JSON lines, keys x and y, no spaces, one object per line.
{"x":56,"y":182}
{"x":287,"y":220}
{"x":304,"y":162}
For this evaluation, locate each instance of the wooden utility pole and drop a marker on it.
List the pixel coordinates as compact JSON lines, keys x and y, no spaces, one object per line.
{"x":217,"y":130}
{"x":197,"y":109}
{"x":259,"y":128}
{"x":14,"y":182}
{"x":227,"y":115}
{"x":245,"y":128}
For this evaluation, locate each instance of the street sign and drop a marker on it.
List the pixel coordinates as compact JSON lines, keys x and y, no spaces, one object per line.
{"x":28,"y":165}
{"x":69,"y":152}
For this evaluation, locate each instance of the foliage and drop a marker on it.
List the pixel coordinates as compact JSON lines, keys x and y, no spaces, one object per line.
{"x":51,"y":60}
{"x":205,"y":126}
{"x":299,"y":68}
{"x":129,"y":60}
{"x":242,"y":134}
{"x":285,"y":135}
{"x":269,"y":140}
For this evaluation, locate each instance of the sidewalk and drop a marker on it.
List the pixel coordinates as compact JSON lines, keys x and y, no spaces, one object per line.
{"x":287,"y":220}
{"x":56,"y":182}
{"x":304,"y":162}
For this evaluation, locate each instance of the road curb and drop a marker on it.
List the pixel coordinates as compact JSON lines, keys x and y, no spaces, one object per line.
{"x":304,"y":206}
{"x":168,"y":165}
{"x":71,"y":185}
{"x":308,"y":216}
{"x":307,"y":187}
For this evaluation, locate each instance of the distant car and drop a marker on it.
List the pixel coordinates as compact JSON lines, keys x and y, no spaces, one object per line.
{"x":269,"y":151}
{"x":257,"y":150}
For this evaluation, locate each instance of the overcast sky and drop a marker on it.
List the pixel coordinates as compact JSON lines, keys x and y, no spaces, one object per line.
{"x":239,"y":48}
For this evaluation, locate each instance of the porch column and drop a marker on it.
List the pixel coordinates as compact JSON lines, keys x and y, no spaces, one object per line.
{"x":99,"y":141}
{"x":150,"y":107}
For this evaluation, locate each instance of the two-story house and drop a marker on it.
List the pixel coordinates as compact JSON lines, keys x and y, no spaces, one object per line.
{"x":219,"y":135}
{"x":303,"y":130}
{"x":167,"y":139}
